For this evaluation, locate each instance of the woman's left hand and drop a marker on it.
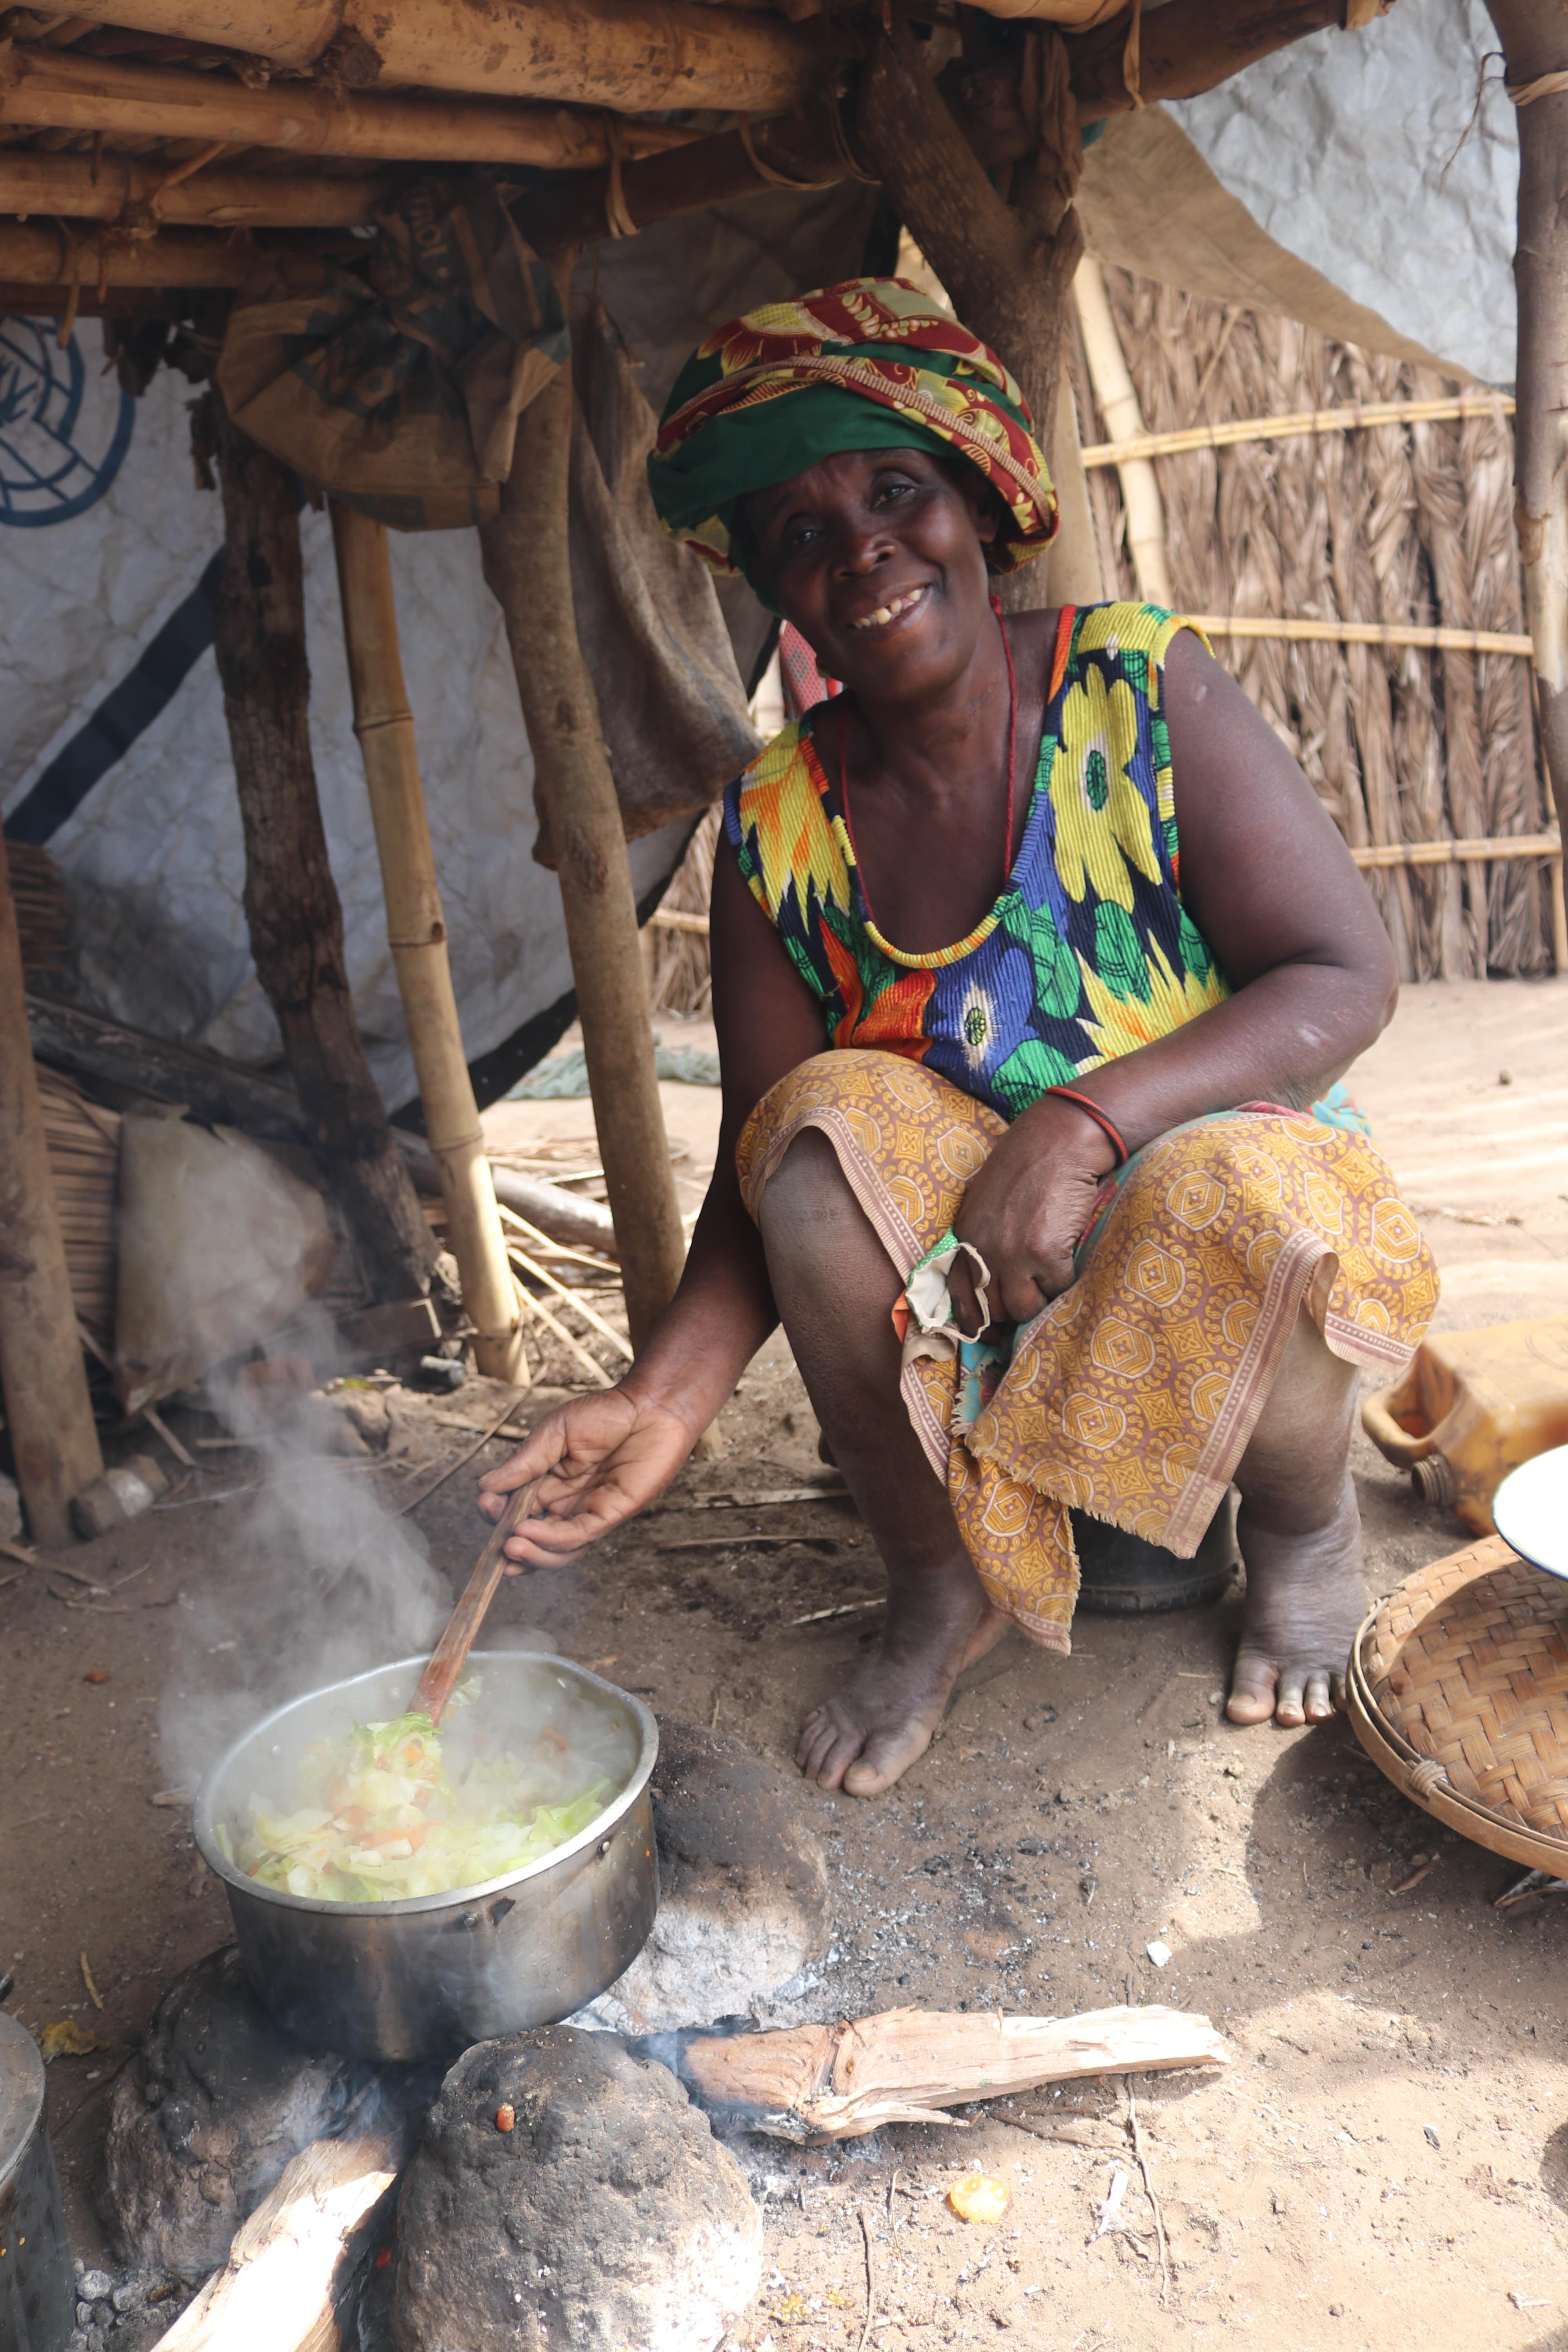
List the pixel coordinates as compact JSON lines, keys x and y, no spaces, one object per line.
{"x":1027,"y":1210}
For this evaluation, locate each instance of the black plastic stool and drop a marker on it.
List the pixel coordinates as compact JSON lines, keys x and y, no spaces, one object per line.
{"x":1122,"y":1576}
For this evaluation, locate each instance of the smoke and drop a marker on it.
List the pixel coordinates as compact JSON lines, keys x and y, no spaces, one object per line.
{"x":318,"y":1581}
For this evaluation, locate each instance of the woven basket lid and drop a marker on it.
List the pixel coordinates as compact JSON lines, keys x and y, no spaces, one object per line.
{"x":1459,"y":1689}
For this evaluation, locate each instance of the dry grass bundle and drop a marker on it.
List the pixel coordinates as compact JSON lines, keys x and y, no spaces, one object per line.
{"x":83,"y":1141}
{"x":42,"y":916}
{"x":683,"y":984}
{"x":1397,"y":524}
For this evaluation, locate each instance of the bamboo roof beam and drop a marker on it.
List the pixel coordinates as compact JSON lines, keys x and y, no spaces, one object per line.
{"x":636,"y":55}
{"x":32,"y":256}
{"x":1217,"y":37}
{"x":792,"y":150}
{"x":67,"y":187}
{"x":50,"y":89}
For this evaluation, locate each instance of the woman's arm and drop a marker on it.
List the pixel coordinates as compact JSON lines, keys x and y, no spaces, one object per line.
{"x":604,"y":1457}
{"x":1277,"y":897}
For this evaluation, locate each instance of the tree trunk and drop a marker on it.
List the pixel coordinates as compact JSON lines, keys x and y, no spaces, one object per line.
{"x":528,"y":565}
{"x":291,"y":904}
{"x":1007,"y":265}
{"x":54,"y":1443}
{"x":1534,"y":38}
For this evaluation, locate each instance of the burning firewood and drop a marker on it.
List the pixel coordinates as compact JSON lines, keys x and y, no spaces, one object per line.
{"x":290,"y":2260}
{"x":838,"y":2082}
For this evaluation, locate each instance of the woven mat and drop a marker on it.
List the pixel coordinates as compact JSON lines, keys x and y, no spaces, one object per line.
{"x":1467,"y":1662}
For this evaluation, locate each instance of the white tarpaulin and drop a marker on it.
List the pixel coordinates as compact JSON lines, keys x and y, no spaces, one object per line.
{"x":1363,"y":181}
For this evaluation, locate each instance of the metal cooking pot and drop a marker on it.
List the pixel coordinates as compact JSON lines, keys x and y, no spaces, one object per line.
{"x":38,"y":2286}
{"x":427,"y":1977}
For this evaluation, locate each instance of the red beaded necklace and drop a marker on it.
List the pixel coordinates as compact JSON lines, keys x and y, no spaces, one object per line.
{"x":1012,"y":758}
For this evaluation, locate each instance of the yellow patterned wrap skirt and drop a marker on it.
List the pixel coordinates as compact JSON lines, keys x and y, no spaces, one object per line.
{"x":1131,"y":1397}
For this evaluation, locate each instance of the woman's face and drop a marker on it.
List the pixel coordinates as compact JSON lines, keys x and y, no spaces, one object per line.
{"x":878,"y":557}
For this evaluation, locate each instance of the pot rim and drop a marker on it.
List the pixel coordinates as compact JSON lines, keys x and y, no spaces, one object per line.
{"x":454,"y":1897}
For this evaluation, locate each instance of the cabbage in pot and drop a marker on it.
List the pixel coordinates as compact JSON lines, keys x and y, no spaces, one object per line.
{"x":381,"y":1817}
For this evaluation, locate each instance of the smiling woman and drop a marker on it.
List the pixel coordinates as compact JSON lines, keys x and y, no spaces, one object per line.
{"x":1034,"y":960}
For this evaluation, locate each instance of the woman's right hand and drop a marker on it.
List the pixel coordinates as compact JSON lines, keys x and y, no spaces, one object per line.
{"x":602,"y":1459}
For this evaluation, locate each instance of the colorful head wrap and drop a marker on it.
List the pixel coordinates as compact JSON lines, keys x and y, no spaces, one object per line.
{"x":867,"y":364}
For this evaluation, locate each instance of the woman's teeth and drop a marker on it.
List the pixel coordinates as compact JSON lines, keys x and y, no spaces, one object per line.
{"x":890,"y":611}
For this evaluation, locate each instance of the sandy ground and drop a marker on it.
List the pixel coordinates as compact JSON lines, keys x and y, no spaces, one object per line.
{"x":1387,"y":2154}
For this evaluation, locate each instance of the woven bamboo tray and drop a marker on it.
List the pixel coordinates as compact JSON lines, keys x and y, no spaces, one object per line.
{"x":1459,"y":1690}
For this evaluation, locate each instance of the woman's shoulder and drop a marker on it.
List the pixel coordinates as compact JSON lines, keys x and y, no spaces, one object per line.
{"x":778,"y":824}
{"x":1123,"y":627}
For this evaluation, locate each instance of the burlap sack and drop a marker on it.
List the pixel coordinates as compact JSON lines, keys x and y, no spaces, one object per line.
{"x":671,"y":701}
{"x":397,"y":385}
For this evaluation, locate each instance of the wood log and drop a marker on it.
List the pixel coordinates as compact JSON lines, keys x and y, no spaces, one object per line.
{"x":1118,"y":396}
{"x":128,"y":1062}
{"x":581,"y":1225}
{"x":123,"y":188}
{"x":1007,"y":266}
{"x":285,"y":2274}
{"x":54,"y":1443}
{"x":291,"y":905}
{"x":1535,"y":46}
{"x":636,"y":55}
{"x":55,"y":90}
{"x":416,"y":934}
{"x":840,"y":2081}
{"x":124,"y":1063}
{"x":528,"y":564}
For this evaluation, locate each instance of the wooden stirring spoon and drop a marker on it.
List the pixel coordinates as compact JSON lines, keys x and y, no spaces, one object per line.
{"x":450,"y":1655}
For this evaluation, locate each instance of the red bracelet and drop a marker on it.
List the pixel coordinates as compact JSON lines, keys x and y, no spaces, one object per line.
{"x":1101,"y":1119}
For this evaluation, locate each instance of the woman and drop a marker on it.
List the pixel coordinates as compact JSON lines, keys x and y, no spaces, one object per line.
{"x":1016,"y":1137}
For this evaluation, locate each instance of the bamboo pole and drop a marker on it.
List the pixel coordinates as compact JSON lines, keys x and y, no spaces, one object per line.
{"x":1118,"y":396}
{"x":31,"y":256}
{"x":416,"y":934}
{"x":1366,"y":633}
{"x":1353,"y":416}
{"x":528,"y":564}
{"x":1535,"y":49}
{"x":1185,"y":48}
{"x":69,"y":187}
{"x":639,"y":55}
{"x":54,"y":1443}
{"x":55,"y":89}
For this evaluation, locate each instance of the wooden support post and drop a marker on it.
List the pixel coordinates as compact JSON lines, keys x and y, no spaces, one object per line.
{"x":1007,"y":265}
{"x":49,"y":1415}
{"x":528,"y":564}
{"x":291,"y":904}
{"x":416,"y":934}
{"x":1118,"y":397}
{"x":1534,"y":38}
{"x":1070,"y":565}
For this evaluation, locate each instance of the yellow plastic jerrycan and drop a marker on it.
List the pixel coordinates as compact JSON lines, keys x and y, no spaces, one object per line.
{"x":1472,"y":1407}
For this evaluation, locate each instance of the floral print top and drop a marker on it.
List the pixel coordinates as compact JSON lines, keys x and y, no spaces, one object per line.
{"x":1088,"y":952}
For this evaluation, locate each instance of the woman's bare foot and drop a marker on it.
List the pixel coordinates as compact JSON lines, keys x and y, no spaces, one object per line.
{"x":869,"y":1733}
{"x":1305,"y":1597}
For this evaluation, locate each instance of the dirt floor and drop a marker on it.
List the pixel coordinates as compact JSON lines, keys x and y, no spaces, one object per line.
{"x":1386,"y":2156}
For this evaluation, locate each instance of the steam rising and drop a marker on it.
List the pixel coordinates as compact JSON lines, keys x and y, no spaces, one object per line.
{"x":320,"y":1580}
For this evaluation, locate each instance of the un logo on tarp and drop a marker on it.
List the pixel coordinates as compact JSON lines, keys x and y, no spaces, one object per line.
{"x":62,"y":442}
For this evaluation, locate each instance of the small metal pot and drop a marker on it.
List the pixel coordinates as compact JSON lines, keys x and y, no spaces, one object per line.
{"x":427,"y":1977}
{"x":38,"y":2286}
